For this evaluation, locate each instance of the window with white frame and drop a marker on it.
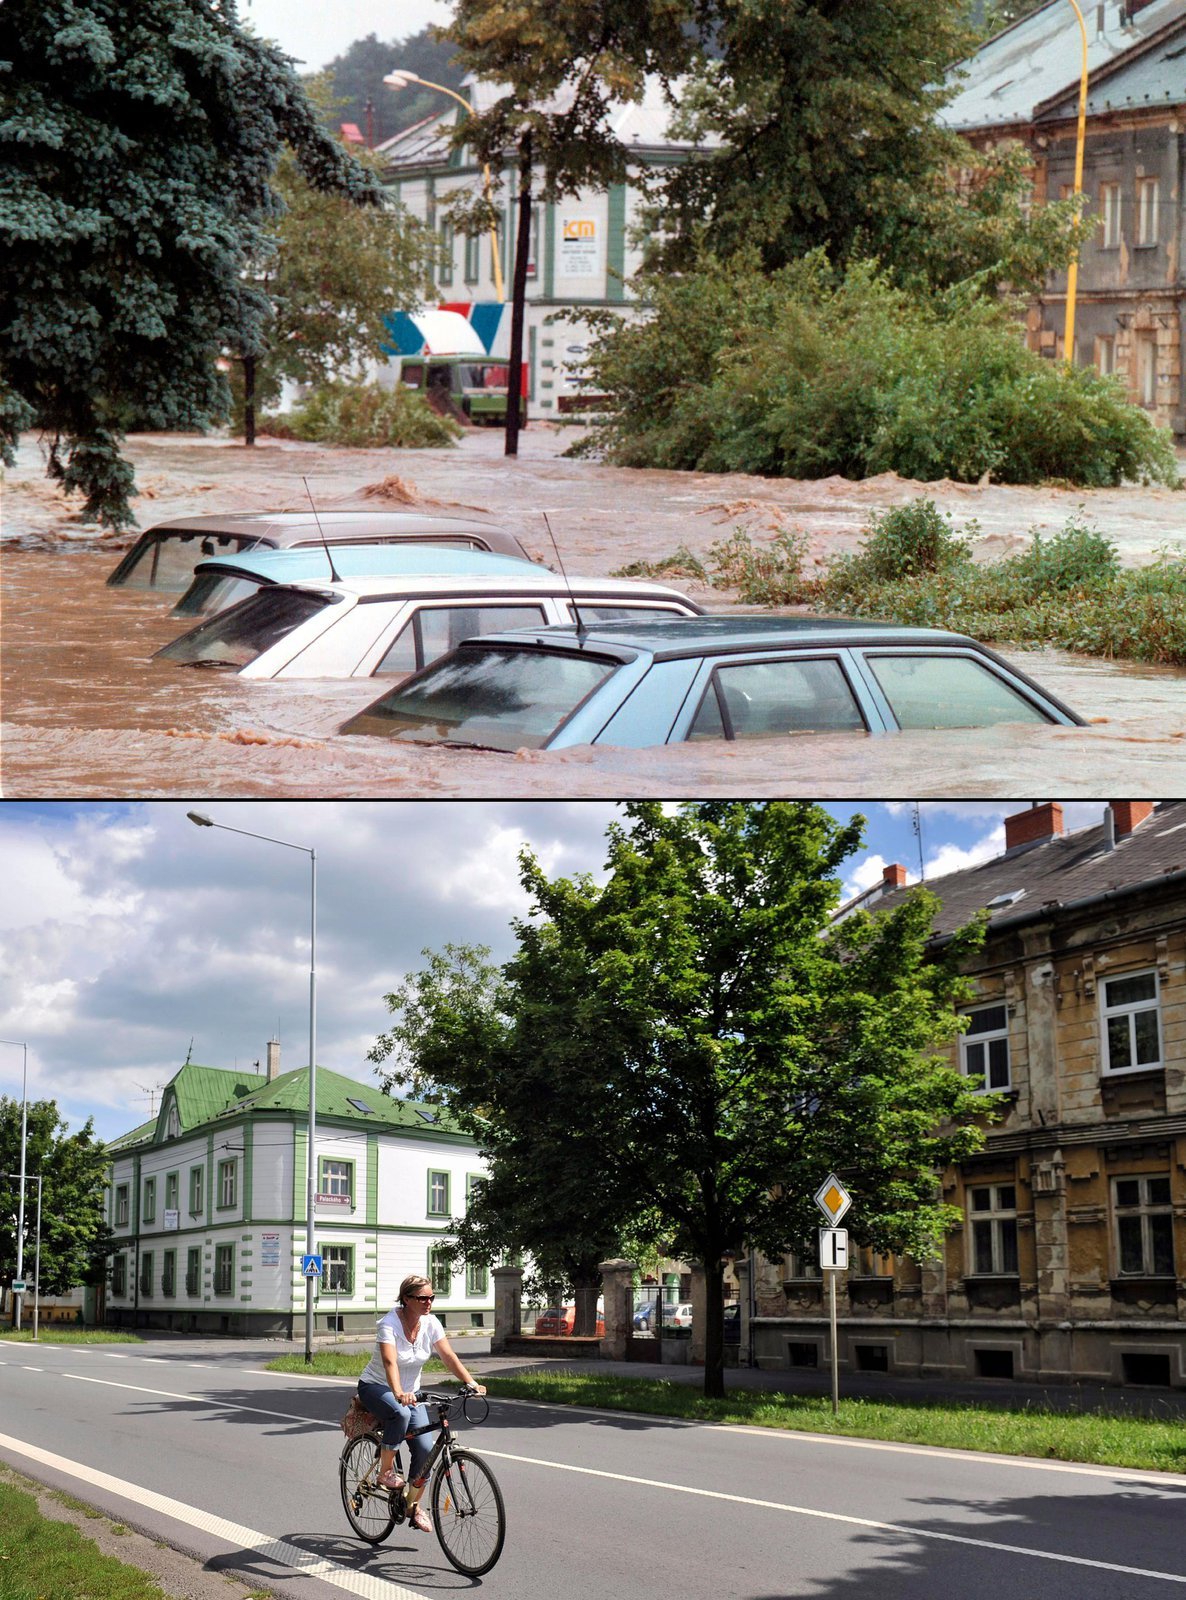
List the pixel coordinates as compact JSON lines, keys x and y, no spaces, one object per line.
{"x":149,"y":1200}
{"x":1105,"y":354}
{"x":337,"y":1177}
{"x":1147,"y":198}
{"x":472,"y":247}
{"x":1144,"y":1226}
{"x":224,"y":1269}
{"x":1131,"y":1025}
{"x":195,"y":1190}
{"x":992,"y":1216}
{"x":477,"y":1278}
{"x":339,"y":1269}
{"x":121,"y":1205}
{"x":984,"y":1047}
{"x":1146,"y":369}
{"x":226,"y":1184}
{"x":1110,"y":215}
{"x":438,"y":1194}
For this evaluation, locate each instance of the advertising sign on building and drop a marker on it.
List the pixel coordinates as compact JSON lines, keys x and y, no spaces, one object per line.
{"x":580,"y":252}
{"x":269,"y":1249}
{"x":172,"y":1219}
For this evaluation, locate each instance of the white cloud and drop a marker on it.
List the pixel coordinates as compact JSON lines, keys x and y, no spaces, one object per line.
{"x":954,"y":858}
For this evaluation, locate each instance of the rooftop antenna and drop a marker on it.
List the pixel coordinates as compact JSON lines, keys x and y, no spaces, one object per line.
{"x":189,"y":1054}
{"x":922,"y":871}
{"x":152,"y":1094}
{"x":572,"y":599}
{"x":325,"y":543}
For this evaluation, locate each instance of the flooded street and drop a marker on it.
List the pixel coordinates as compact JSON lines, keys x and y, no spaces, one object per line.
{"x":87,"y":713}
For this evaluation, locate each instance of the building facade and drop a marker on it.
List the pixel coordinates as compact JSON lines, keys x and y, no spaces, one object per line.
{"x":1023,"y":86}
{"x":208,"y":1205}
{"x":1069,"y":1259}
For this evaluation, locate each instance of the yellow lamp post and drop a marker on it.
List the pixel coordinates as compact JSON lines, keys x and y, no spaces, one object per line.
{"x":1068,"y":340}
{"x":399,"y":79}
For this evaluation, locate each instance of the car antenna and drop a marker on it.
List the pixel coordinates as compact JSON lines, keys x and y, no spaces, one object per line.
{"x":572,"y":599}
{"x":333,"y":574}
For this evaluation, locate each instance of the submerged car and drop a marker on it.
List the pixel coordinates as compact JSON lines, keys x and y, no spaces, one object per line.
{"x":164,"y":557}
{"x":664,"y":682}
{"x":384,"y":624}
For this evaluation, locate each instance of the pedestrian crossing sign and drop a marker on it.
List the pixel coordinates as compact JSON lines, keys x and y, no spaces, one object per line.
{"x":310,"y":1266}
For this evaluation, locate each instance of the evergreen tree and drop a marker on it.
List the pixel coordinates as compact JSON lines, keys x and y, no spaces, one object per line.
{"x":356,"y":76}
{"x":137,"y":143}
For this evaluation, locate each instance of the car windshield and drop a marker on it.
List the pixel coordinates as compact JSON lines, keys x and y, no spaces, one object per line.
{"x":501,"y":698}
{"x":212,"y":591}
{"x":235,"y":637}
{"x":949,"y":692}
{"x":167,"y":560}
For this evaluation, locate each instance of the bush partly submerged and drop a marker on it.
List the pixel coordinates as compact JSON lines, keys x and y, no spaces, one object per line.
{"x":362,"y":415}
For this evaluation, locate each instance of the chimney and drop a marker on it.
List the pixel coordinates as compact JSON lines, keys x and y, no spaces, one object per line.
{"x":894,"y":877}
{"x":273,"y":1059}
{"x":1129,"y":814}
{"x":1035,"y":826}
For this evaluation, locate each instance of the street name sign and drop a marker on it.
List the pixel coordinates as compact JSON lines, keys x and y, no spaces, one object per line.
{"x":833,"y":1199}
{"x":332,"y":1199}
{"x":19,"y":1286}
{"x":310,"y":1266}
{"x":833,"y":1249}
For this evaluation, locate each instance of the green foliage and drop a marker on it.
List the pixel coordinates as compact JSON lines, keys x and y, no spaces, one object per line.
{"x":806,"y":372}
{"x":363,"y":414}
{"x":136,"y":148}
{"x":75,"y":1239}
{"x":357,"y":75}
{"x":695,"y":1038}
{"x":916,"y":537}
{"x":1075,"y":558}
{"x":42,"y":1556}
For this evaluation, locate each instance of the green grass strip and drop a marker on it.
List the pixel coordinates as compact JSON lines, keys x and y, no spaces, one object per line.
{"x":70,"y":1336}
{"x":1100,"y":1438}
{"x":44,"y":1560}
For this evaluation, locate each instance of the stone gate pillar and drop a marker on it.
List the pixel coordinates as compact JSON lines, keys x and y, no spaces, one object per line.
{"x":508,"y":1306}
{"x":617,"y":1279}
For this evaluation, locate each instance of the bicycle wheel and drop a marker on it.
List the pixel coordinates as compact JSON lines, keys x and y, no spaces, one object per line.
{"x":468,"y":1514}
{"x":370,"y":1509}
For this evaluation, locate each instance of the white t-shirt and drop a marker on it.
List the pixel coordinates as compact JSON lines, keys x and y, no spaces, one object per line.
{"x":410,"y":1355}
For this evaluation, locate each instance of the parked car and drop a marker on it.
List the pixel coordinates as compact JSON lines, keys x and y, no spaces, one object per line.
{"x":734,"y":677}
{"x":561,"y":1319}
{"x":361,"y":625}
{"x":732,"y":1322}
{"x":164,"y":557}
{"x":644,"y":1316}
{"x":678,"y":1316}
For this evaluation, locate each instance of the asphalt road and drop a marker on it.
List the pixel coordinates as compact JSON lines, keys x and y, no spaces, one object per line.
{"x":599,"y":1504}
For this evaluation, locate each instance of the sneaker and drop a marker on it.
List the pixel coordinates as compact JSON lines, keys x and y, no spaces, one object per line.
{"x":390,"y":1479}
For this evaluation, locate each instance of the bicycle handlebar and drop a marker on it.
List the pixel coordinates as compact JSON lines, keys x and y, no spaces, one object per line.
{"x":464,"y":1394}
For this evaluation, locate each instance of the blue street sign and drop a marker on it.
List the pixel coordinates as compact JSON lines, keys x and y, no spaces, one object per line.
{"x":310,"y":1266}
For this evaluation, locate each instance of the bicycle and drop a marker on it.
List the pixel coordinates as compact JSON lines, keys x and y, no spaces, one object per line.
{"x":466,"y":1504}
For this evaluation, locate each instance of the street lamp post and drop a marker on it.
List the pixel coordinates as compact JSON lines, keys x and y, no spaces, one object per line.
{"x":202,"y":821}
{"x":20,"y":1225}
{"x":37,"y":1258}
{"x":1068,"y":338}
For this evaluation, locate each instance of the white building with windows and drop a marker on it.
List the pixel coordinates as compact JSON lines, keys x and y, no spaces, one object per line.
{"x":207,"y":1202}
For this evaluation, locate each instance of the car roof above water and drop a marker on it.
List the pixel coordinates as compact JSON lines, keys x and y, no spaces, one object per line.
{"x":293,"y":527}
{"x":310,"y":564}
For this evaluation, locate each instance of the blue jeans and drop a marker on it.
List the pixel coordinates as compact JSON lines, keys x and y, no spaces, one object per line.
{"x":396,"y":1420}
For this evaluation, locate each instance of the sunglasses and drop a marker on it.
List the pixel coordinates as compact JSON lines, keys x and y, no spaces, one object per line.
{"x":429,"y":1297}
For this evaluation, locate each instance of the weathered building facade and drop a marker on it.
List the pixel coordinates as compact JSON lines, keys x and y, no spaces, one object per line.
{"x":1024,"y":86}
{"x":1069,"y":1259}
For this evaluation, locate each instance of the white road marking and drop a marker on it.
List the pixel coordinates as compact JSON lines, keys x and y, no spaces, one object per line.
{"x":903,"y":1529}
{"x":247,"y":1539}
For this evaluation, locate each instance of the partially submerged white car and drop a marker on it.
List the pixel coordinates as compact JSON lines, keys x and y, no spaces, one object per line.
{"x":379,"y":624}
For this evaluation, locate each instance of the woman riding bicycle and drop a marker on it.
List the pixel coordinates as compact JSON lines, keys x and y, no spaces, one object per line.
{"x":404,"y":1340}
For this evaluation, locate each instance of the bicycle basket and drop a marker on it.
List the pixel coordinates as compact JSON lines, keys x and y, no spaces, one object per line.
{"x":358,"y":1420}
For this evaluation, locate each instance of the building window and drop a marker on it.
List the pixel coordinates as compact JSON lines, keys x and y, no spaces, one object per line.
{"x":872,"y":1263}
{"x":477,"y":1278}
{"x":150,"y":1200}
{"x":1144,"y":1226}
{"x":1132,"y":1034}
{"x":193,"y":1273}
{"x":169,"y":1273}
{"x":226,"y":1184}
{"x":801,"y":1265}
{"x":195,"y":1191}
{"x":533,"y":244}
{"x":1146,"y":370}
{"x":337,"y":1177}
{"x":119,"y":1277}
{"x":121,"y":1205}
{"x":224,"y":1269}
{"x":438,"y":1194}
{"x":445,"y":265}
{"x":993,"y":1212}
{"x":1105,"y":354}
{"x":170,"y":1191}
{"x":1110,"y":215}
{"x":984,"y":1048}
{"x":339,"y":1269}
{"x":471,"y":1178}
{"x":1147,"y":192}
{"x":472,"y":246}
{"x":146,"y":1274}
{"x":440,"y":1271}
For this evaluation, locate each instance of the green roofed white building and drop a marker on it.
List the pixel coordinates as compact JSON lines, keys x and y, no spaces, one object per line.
{"x":207,"y":1203}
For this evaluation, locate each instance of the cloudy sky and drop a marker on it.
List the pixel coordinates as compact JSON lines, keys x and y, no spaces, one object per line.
{"x":314,"y":33}
{"x":126,"y":932}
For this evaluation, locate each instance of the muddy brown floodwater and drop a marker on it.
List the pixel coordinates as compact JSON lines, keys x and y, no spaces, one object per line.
{"x":88,"y":713}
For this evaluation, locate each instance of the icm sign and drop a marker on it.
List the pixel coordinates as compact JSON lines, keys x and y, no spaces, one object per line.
{"x":580,"y":255}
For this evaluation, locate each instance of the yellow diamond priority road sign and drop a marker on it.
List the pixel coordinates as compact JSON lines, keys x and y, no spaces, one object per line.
{"x":833,"y":1198}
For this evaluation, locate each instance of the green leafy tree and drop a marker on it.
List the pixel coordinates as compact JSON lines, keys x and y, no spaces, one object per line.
{"x":75,"y":1239}
{"x":137,"y":144}
{"x":729,"y":1046}
{"x":356,"y":76}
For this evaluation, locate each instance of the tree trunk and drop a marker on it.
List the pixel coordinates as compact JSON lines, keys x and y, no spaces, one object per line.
{"x":714,"y":1327}
{"x":518,"y":297}
{"x":248,"y":399}
{"x":585,"y":1301}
